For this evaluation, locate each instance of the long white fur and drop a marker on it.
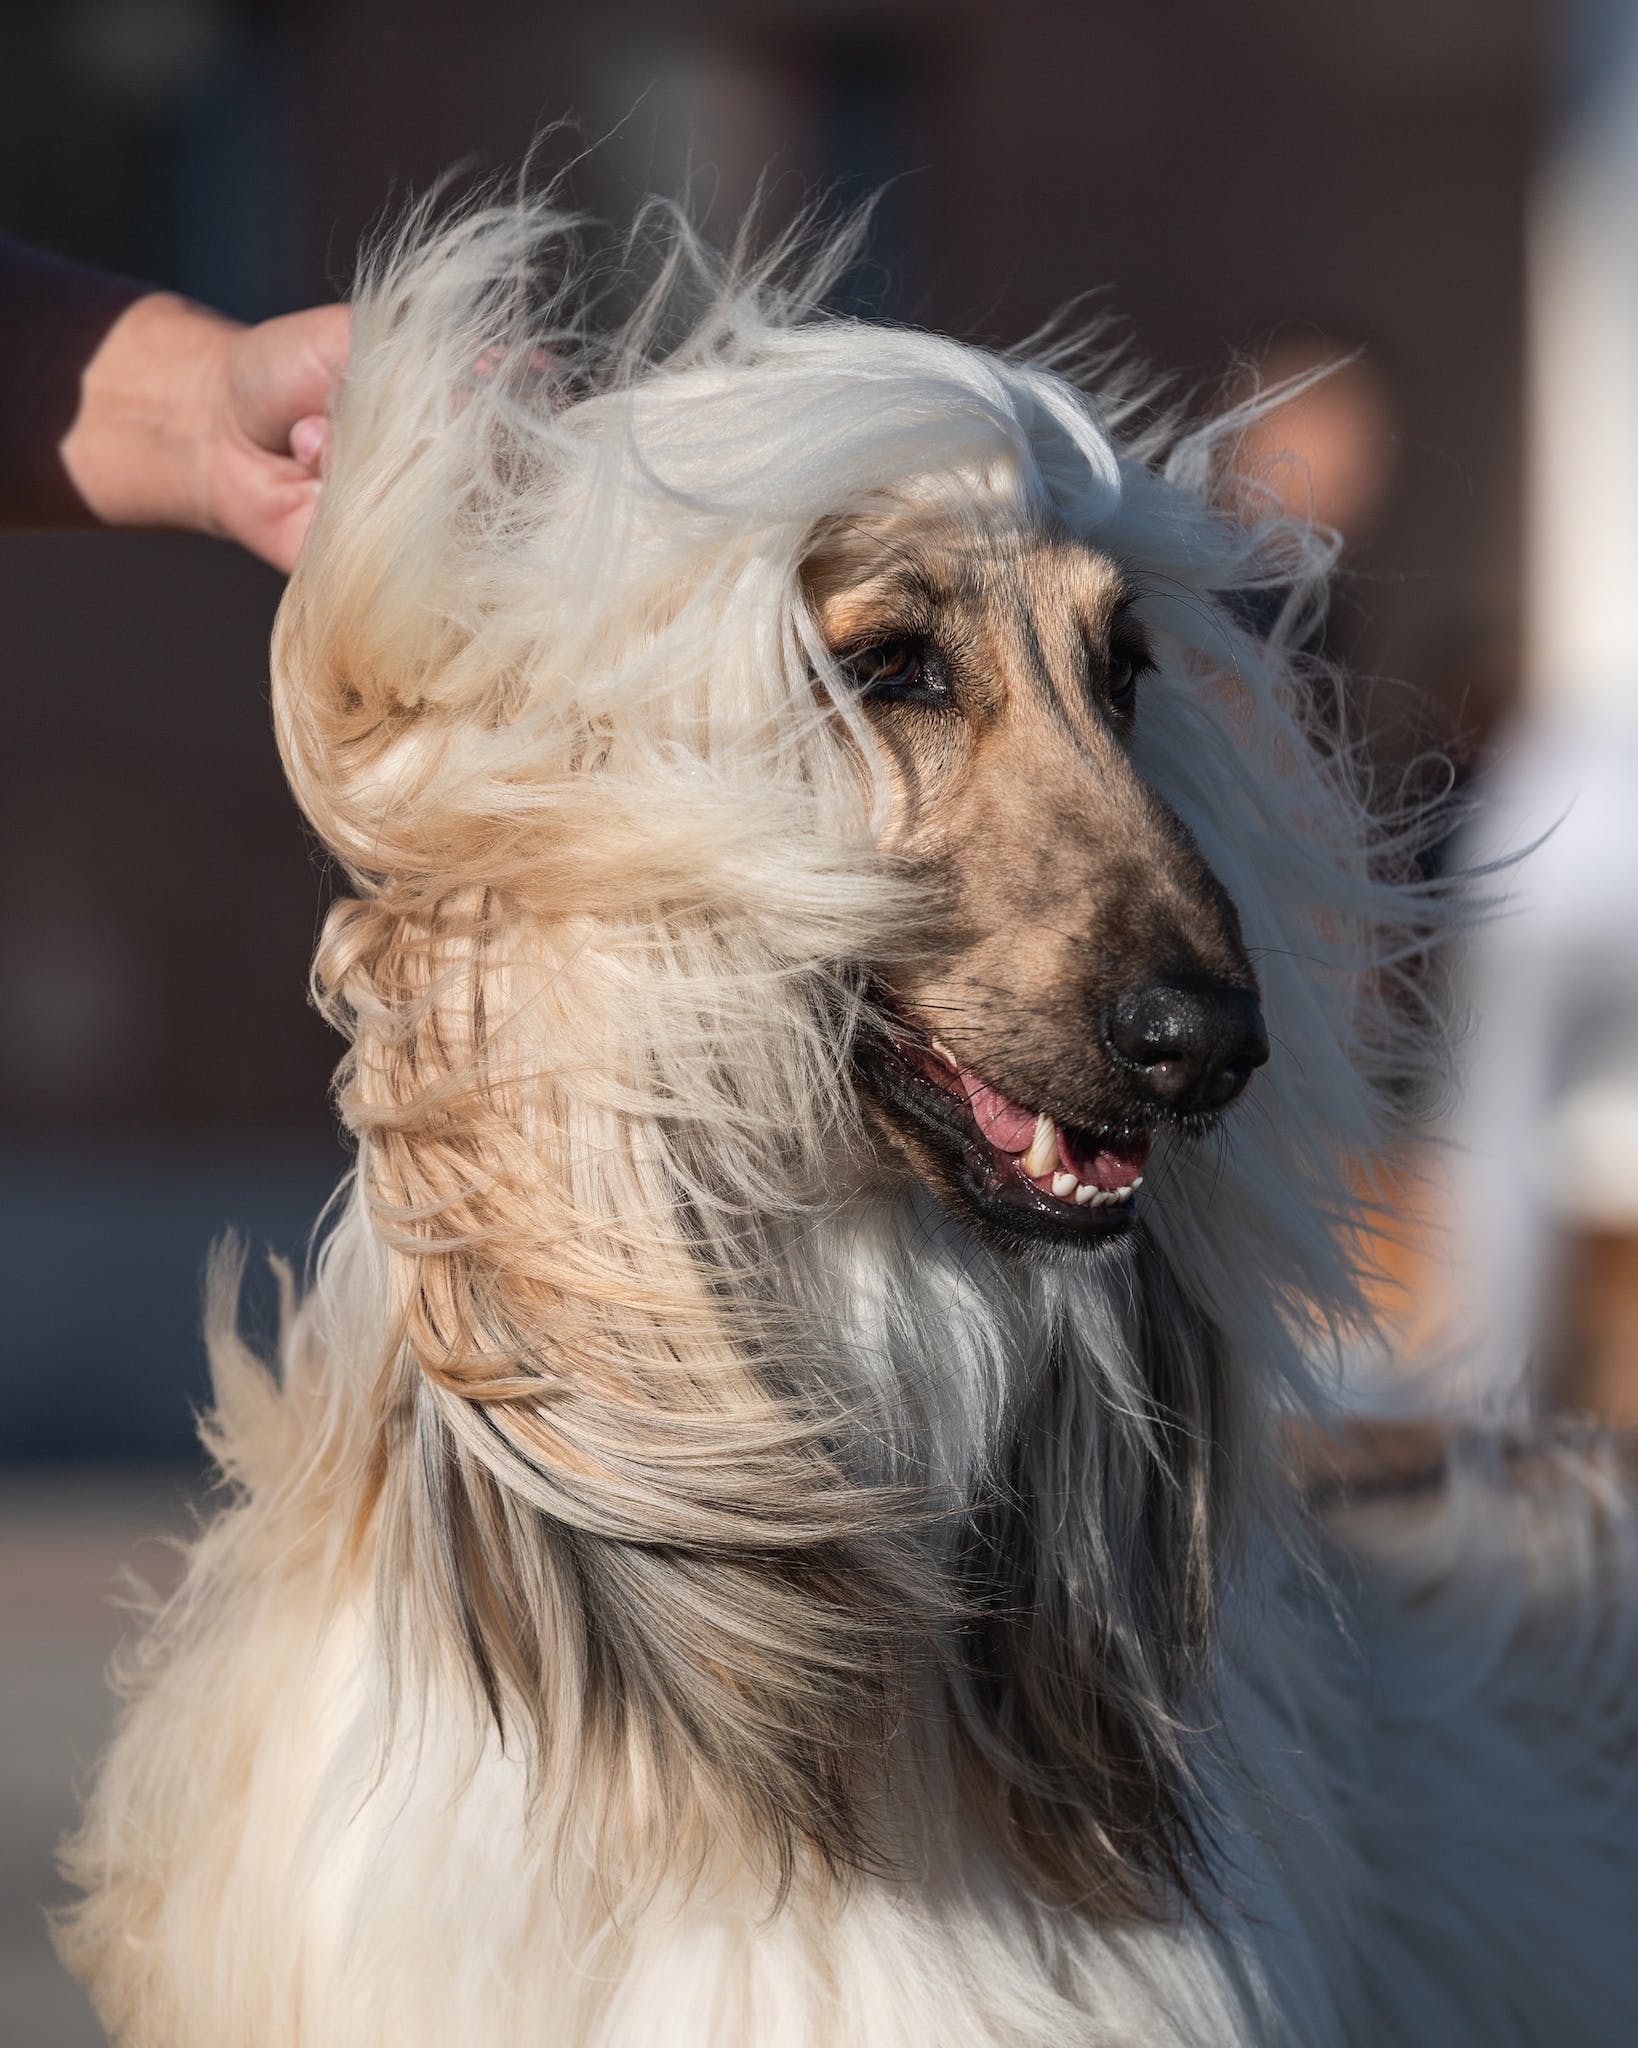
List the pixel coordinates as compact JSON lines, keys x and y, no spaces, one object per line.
{"x":546,"y":682}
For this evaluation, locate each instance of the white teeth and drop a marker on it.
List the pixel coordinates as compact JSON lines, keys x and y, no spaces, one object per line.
{"x":945,"y":1054}
{"x":1043,"y":1161}
{"x":1042,"y":1155}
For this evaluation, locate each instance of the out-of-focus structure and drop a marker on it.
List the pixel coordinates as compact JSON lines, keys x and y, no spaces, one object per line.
{"x":1543,"y":1177}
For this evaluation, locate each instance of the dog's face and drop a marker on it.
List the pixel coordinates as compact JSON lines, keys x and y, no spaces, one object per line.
{"x":1083,"y":979}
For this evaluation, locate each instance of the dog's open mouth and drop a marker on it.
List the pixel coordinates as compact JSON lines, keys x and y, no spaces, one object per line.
{"x":1082,"y":1167}
{"x":1017,"y":1166}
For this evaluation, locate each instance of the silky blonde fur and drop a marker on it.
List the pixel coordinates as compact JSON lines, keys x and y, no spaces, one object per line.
{"x":678,"y":1585}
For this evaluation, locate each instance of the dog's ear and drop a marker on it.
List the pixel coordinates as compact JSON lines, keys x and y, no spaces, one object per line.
{"x":595,"y":1497}
{"x":576,"y":1006}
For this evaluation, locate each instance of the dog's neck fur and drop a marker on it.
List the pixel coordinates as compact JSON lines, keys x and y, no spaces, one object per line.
{"x":1039,"y":1453}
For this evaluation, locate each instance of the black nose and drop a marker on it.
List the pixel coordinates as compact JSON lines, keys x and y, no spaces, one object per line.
{"x":1193,"y":1046}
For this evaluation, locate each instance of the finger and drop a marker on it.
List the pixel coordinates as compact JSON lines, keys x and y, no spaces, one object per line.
{"x":278,"y":539}
{"x":310,"y":442}
{"x":286,"y":371}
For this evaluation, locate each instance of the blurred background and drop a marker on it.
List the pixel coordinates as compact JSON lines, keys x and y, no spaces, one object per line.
{"x":1437,"y":190}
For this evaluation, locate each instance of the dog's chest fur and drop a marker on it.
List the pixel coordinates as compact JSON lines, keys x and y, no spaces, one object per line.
{"x":272,"y":1882}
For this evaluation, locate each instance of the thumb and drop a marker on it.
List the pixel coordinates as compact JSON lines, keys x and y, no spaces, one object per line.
{"x":284,"y":372}
{"x":310,"y":441}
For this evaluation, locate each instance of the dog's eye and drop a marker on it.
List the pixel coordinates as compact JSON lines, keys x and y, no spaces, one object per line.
{"x":895,"y":670}
{"x":1126,"y":667}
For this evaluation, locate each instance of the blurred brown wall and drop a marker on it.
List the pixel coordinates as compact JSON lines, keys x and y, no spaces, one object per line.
{"x":1224,"y":172}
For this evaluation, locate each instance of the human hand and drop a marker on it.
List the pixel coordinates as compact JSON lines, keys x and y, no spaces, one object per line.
{"x":187,"y":419}
{"x":270,"y":434}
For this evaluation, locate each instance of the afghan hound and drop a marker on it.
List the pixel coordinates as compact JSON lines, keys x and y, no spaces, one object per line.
{"x":775,"y":1523}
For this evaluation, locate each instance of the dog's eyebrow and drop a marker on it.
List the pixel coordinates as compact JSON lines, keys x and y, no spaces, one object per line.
{"x":915,"y":582}
{"x":1119,"y":594}
{"x":1110,"y":614}
{"x":901,"y":598}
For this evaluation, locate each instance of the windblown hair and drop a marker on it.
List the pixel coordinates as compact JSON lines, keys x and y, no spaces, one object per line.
{"x":755,"y":1501}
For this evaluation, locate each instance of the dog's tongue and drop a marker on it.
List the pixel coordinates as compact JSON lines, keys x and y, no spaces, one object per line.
{"x":1008,"y":1128}
{"x":1011,"y":1128}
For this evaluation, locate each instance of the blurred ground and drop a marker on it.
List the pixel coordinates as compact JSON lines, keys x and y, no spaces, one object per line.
{"x":65,"y":1537}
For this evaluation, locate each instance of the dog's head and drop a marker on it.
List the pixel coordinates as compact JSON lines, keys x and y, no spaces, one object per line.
{"x":780,"y":771}
{"x":1082,"y":980}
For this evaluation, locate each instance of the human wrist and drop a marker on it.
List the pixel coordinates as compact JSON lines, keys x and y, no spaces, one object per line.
{"x":137,"y":451}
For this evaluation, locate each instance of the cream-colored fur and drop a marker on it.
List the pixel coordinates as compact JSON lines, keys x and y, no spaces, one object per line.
{"x":680,"y":1586}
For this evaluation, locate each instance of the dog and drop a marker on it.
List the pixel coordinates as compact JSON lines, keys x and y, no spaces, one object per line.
{"x":779,"y":1518}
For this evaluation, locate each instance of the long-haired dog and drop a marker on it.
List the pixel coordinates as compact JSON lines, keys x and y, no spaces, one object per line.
{"x":868,"y":994}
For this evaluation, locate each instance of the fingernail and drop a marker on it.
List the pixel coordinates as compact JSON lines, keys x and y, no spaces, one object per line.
{"x":307,"y":439}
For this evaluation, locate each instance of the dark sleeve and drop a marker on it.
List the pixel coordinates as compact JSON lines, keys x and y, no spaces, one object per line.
{"x":53,"y":317}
